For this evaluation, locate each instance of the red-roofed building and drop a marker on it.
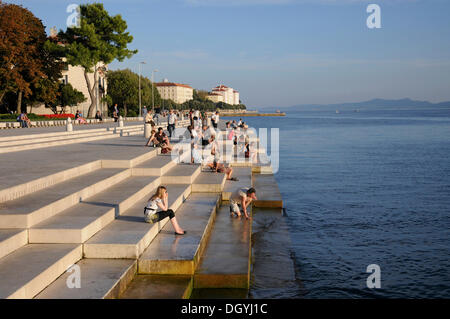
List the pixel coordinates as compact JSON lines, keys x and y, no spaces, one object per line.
{"x":229,"y":95}
{"x":177,"y":92}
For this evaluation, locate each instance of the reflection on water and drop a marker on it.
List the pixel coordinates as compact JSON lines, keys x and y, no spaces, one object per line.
{"x":273,"y":273}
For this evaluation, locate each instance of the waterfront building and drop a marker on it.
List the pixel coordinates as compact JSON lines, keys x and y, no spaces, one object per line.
{"x":229,"y":95}
{"x":177,"y":92}
{"x":236,"y":97}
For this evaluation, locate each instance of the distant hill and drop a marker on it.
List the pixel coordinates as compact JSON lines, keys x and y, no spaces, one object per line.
{"x":376,"y":103}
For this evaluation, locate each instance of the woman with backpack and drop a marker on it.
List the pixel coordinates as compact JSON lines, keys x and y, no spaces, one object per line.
{"x":158,"y":208}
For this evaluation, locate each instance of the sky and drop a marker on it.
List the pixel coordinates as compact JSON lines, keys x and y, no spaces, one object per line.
{"x":279,"y":53}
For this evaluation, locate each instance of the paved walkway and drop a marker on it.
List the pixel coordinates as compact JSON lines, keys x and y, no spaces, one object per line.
{"x":52,"y":129}
{"x":24,"y":166}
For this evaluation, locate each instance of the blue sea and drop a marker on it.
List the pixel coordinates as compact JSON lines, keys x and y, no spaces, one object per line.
{"x":361,"y":187}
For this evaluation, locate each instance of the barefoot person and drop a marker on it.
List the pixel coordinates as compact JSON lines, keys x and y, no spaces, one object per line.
{"x":152,"y":141}
{"x":219,"y":167}
{"x":163,"y":141}
{"x":158,"y":208}
{"x":240,"y":199}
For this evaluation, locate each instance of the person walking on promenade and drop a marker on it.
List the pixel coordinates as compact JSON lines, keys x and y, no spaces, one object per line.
{"x":116,"y":113}
{"x":191,"y":117}
{"x":240,"y":199}
{"x":215,"y":120}
{"x":149,"y":119}
{"x":172,"y":121}
{"x":158,"y":208}
{"x":156,"y":116}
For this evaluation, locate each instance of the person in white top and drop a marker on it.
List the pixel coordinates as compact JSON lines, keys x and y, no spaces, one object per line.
{"x":172,"y":121}
{"x":215,"y":120}
{"x":158,"y":208}
{"x":240,"y":199}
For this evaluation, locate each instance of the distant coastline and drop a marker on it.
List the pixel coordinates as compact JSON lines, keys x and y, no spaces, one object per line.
{"x":224,"y":114}
{"x":385,"y":103}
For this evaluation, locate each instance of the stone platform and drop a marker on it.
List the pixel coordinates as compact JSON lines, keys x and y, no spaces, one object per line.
{"x":80,"y":202}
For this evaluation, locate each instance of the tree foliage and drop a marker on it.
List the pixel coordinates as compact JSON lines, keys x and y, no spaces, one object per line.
{"x":22,"y":36}
{"x":70,"y":96}
{"x":123,"y":89}
{"x":100,"y":38}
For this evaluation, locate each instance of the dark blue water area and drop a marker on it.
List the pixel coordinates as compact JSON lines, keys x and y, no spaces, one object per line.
{"x":367,"y":187}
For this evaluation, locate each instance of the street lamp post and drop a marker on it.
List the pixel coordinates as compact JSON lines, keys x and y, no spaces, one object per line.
{"x":153,"y":95}
{"x":140,"y":99}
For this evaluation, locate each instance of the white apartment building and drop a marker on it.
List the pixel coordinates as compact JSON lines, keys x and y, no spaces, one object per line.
{"x":236,"y":97}
{"x":179,"y":93}
{"x":229,"y":95}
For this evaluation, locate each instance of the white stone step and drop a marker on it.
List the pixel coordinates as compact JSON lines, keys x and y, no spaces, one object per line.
{"x":33,"y":139}
{"x":209,"y":182}
{"x":159,"y":287}
{"x":100,"y":279}
{"x":155,"y":166}
{"x":41,"y":135}
{"x":267,"y":191}
{"x":38,"y":206}
{"x":127,"y":127}
{"x":20,"y":190}
{"x":226,"y":262}
{"x":181,"y":174}
{"x":12,"y":239}
{"x":170,"y":254}
{"x":74,"y":225}
{"x":80,"y":222}
{"x":27,"y":271}
{"x":244,"y":174}
{"x":129,"y":235}
{"x":75,"y":140}
{"x":131,"y":162}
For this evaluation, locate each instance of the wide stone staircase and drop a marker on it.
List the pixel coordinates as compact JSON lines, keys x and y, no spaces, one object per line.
{"x":88,"y":221}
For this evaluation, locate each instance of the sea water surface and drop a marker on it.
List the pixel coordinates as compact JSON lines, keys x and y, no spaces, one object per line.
{"x":360,"y":188}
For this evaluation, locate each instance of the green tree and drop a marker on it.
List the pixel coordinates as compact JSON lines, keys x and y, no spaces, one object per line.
{"x":200,"y":95}
{"x":123,"y":89}
{"x":48,"y":89}
{"x":22,"y":36}
{"x":70,"y":96}
{"x":100,"y":38}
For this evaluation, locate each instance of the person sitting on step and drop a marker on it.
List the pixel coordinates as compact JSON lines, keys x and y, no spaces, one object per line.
{"x":219,"y":167}
{"x":163,"y":141}
{"x":152,"y":141}
{"x":158,"y":208}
